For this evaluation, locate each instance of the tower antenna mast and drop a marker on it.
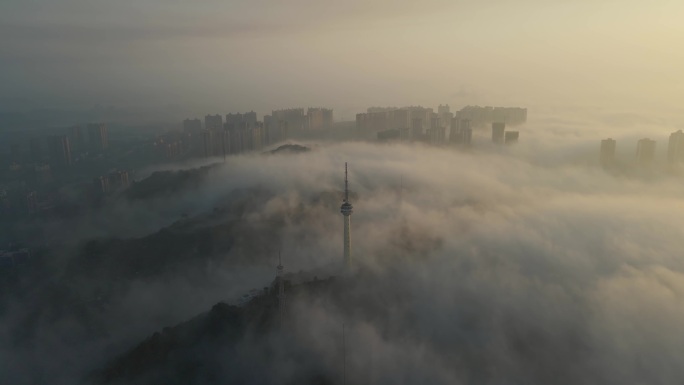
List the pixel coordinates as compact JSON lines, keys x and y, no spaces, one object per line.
{"x":347,"y":209}
{"x":344,"y":357}
{"x":281,"y":289}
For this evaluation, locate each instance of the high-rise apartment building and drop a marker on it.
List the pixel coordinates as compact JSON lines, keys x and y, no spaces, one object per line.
{"x":467,"y":136}
{"x":645,"y":150}
{"x":213,"y":122}
{"x":319,"y":118}
{"x":207,"y":143}
{"x":235,"y":135}
{"x":294,"y":117}
{"x":608,"y":151}
{"x":417,"y":129}
{"x":250,"y":118}
{"x":511,"y":137}
{"x":100,"y":185}
{"x":386,"y":118}
{"x":97,"y":136}
{"x":233,"y":120}
{"x":437,"y":135}
{"x":77,"y":138}
{"x":60,"y":151}
{"x":498,"y":129}
{"x":675,"y":147}
{"x":459,"y":129}
{"x":480,"y":116}
{"x":118,"y":179}
{"x":445,"y":115}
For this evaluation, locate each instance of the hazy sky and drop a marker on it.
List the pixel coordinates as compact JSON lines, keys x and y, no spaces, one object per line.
{"x":235,"y":55}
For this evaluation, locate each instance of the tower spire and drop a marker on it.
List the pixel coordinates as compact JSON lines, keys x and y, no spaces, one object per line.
{"x":346,"y":184}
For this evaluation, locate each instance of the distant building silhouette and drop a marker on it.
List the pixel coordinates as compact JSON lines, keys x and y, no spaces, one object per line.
{"x":233,"y":120}
{"x":250,"y":118}
{"x":97,"y":136}
{"x":511,"y":137}
{"x":77,"y":138}
{"x":461,"y":133}
{"x":607,"y":154}
{"x":445,"y":116}
{"x":467,"y":135}
{"x":101,"y":185}
{"x":645,"y":151}
{"x":388,"y":135}
{"x":498,"y":129}
{"x":118,"y":180}
{"x":294,"y":117}
{"x":60,"y":151}
{"x":482,"y":116}
{"x":675,"y":147}
{"x":417,"y":129}
{"x":385,"y":118}
{"x":213,"y":122}
{"x":319,"y":118}
{"x":207,"y":143}
{"x":274,"y":131}
{"x":437,"y":135}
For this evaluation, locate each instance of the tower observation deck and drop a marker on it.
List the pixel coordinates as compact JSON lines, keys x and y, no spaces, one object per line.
{"x":347,"y":209}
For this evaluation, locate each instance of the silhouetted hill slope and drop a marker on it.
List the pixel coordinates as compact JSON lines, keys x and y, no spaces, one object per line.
{"x":393,"y":336}
{"x":161,"y":183}
{"x":85,"y":303}
{"x":217,"y":347}
{"x":190,"y":243}
{"x":167,"y":182}
{"x":289,"y":149}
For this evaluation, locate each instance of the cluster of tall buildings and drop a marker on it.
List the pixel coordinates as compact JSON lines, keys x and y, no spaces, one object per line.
{"x":384,"y":118}
{"x":239,"y":133}
{"x":58,"y":149}
{"x":461,"y":133}
{"x":420,"y":124}
{"x":646,"y":150}
{"x":414,"y":123}
{"x":40,"y":162}
{"x":111,"y":182}
{"x":315,"y":118}
{"x":243,"y":132}
{"x":483,"y":116}
{"x":411,"y":121}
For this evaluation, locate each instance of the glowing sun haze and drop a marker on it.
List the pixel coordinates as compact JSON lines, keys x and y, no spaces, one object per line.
{"x":214,"y":55}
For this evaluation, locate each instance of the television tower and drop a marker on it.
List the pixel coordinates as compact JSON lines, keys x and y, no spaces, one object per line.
{"x":280,"y":275}
{"x":347,"y":209}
